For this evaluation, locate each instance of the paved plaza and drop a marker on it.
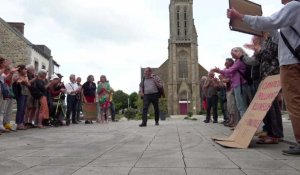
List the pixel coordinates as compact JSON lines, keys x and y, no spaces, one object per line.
{"x":175,"y":147}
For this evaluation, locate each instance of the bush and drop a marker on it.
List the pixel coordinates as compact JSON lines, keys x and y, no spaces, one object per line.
{"x":130,"y":113}
{"x":190,"y":114}
{"x":189,"y":118}
{"x":138,"y":117}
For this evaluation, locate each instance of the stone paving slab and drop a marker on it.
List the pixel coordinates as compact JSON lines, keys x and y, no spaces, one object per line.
{"x":174,"y":147}
{"x":213,"y":171}
{"x":103,"y":170}
{"x":49,"y":170}
{"x":289,"y":171}
{"x":157,"y":171}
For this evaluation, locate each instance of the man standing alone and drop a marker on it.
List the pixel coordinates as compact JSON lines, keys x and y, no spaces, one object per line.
{"x":150,"y":89}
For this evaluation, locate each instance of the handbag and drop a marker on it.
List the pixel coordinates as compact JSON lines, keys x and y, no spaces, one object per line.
{"x":161,"y":92}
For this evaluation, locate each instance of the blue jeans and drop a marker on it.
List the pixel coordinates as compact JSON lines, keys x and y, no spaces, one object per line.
{"x":112,"y":111}
{"x":241,"y":94}
{"x":21,"y":106}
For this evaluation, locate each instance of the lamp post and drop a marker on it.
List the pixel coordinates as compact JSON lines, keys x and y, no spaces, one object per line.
{"x":187,"y":102}
{"x":128,"y":102}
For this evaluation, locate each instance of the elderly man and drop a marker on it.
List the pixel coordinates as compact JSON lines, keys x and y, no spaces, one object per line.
{"x":211,"y":87}
{"x":72,"y":91}
{"x":150,"y":91}
{"x":288,"y":21}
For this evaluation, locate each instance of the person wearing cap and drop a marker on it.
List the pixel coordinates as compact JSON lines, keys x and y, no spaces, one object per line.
{"x":57,"y":96}
{"x":287,"y":20}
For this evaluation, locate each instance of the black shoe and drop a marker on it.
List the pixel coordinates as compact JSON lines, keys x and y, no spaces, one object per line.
{"x":215,"y":121}
{"x":87,"y":122}
{"x":223,"y":122}
{"x":67,"y":123}
{"x":156,"y":123}
{"x":143,"y":125}
{"x":60,"y":123}
{"x":206,"y":121}
{"x":74,"y":122}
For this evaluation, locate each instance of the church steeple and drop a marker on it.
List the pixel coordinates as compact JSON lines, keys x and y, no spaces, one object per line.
{"x":173,"y":1}
{"x":183,"y":66}
{"x":181,"y":21}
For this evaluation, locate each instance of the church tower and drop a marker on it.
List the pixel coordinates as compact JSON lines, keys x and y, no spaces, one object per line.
{"x":183,"y":67}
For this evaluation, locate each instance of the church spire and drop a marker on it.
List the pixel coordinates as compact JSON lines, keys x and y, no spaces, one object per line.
{"x":181,"y":21}
{"x":174,"y":1}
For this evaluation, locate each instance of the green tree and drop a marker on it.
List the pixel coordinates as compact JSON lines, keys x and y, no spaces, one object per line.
{"x":120,"y":99}
{"x":133,"y":97}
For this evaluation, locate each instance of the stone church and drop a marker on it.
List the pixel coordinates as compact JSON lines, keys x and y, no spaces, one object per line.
{"x":181,"y":72}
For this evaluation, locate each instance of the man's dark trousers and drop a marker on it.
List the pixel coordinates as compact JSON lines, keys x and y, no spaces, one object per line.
{"x":150,"y":98}
{"x":112,"y":111}
{"x":71,"y":108}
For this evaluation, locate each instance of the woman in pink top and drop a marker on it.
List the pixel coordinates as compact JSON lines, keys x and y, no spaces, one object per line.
{"x":239,"y":84}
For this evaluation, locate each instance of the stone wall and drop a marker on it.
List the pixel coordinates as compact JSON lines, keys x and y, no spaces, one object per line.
{"x":12,"y":45}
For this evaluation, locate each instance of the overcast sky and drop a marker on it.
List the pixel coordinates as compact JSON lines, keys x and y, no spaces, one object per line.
{"x":117,"y":37}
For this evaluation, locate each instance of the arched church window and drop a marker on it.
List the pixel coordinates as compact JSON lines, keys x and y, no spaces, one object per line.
{"x":185,"y":22}
{"x":178,"y":20}
{"x":182,"y":65}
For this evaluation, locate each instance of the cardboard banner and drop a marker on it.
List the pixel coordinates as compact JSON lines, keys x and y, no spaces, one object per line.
{"x":248,"y":8}
{"x":89,"y":111}
{"x":256,"y":112}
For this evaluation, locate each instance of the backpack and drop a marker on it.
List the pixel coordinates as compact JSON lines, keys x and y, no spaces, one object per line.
{"x":247,"y":75}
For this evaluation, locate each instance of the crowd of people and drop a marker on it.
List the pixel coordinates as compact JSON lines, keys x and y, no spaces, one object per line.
{"x":238,"y":83}
{"x":287,"y":20}
{"x":40,"y":101}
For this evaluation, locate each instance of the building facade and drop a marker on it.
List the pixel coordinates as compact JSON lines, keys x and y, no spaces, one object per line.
{"x":14,"y":46}
{"x":181,"y":72}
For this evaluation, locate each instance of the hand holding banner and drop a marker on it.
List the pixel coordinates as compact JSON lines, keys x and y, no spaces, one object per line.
{"x":248,"y":8}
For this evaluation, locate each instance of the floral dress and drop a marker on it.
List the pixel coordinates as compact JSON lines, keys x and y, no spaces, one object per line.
{"x":103,"y":91}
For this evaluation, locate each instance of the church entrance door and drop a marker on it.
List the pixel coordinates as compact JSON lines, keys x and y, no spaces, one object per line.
{"x":183,"y":108}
